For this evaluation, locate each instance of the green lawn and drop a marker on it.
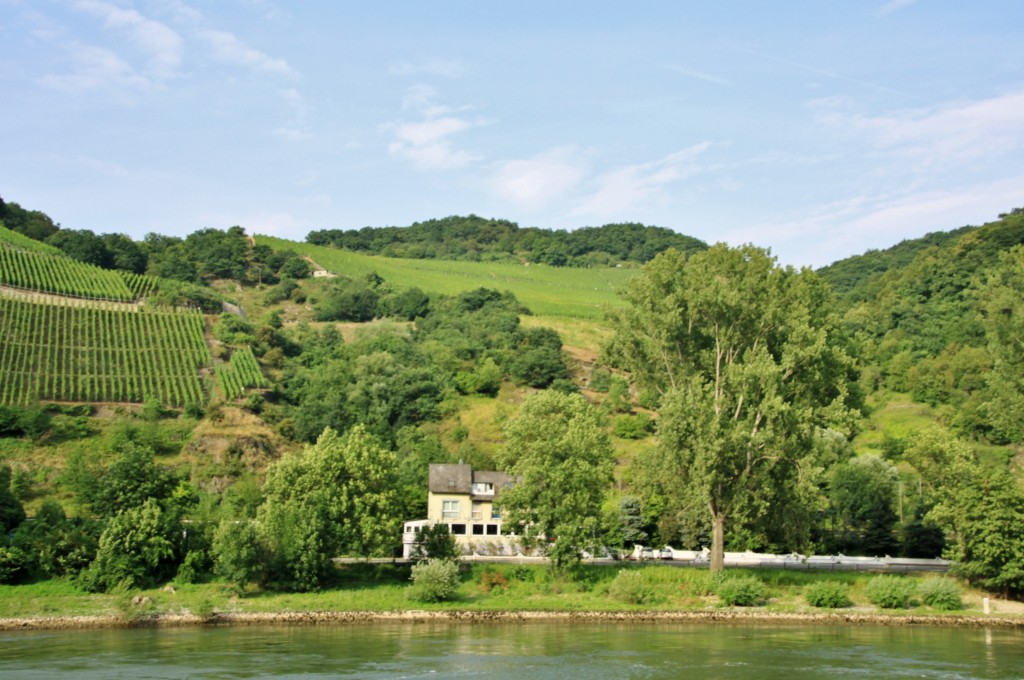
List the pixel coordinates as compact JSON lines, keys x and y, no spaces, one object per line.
{"x":504,"y":588}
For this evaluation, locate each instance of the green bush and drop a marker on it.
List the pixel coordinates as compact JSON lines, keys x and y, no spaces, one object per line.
{"x":239,"y":556}
{"x":12,"y":564}
{"x":435,"y":542}
{"x":628,"y":586}
{"x":890,"y":592}
{"x":941,"y":593}
{"x":828,"y":594}
{"x":493,"y":580}
{"x":633,"y":427}
{"x":434,"y":581}
{"x":741,"y":591}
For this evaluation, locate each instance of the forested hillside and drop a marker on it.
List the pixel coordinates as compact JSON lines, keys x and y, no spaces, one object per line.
{"x":927,"y":324}
{"x":298,"y":424}
{"x":477,"y":239}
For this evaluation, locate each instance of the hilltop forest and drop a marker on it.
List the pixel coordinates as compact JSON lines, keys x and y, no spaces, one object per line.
{"x":223,"y":406}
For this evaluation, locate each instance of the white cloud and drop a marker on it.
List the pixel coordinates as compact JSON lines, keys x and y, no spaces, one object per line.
{"x":95,"y":68}
{"x":420,"y":98}
{"x":625,"y":189}
{"x":943,"y":135}
{"x":296,"y":129}
{"x":699,"y":75}
{"x":533,"y":183}
{"x":269,"y":10}
{"x":850,"y":226}
{"x":161,"y":43}
{"x":894,"y":6}
{"x":432,"y":67}
{"x":229,"y":48}
{"x":427,"y":142}
{"x":182,"y":12}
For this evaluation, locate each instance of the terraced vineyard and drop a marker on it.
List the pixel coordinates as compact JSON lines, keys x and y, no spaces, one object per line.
{"x":29,"y":265}
{"x":240,"y":372}
{"x":92,"y":353}
{"x":18,"y":240}
{"x":564,"y":292}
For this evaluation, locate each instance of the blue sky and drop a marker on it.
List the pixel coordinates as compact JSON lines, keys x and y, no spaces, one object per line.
{"x":818,"y":129}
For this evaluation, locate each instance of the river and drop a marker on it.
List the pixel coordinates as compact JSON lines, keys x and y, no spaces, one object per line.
{"x":537,"y":651}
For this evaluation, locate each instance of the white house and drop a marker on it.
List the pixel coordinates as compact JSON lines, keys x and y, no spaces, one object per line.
{"x":464,"y":501}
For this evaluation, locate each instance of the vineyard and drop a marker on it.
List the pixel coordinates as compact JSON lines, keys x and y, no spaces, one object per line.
{"x":17,"y":240}
{"x":240,"y":372}
{"x":45,"y":272}
{"x":564,"y":292}
{"x":92,"y":353}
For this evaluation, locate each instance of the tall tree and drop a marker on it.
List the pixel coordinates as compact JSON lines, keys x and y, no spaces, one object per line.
{"x":749,"y":367}
{"x":981,"y":509}
{"x":337,"y":497}
{"x":862,"y":497}
{"x":563,"y":461}
{"x":1002,"y":313}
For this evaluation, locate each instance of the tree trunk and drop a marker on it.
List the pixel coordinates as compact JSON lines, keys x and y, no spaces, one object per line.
{"x":717,"y":541}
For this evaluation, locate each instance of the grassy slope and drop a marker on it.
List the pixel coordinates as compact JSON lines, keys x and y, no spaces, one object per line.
{"x":529,"y":588}
{"x":546,"y":291}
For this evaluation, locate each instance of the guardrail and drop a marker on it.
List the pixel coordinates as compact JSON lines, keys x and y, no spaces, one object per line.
{"x":795,"y":561}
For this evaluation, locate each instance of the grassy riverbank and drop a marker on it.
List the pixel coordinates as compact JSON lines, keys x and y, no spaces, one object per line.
{"x":500,"y":589}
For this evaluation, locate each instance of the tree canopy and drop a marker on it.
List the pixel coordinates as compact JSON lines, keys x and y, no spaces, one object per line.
{"x":750,"y":367}
{"x":562,"y":460}
{"x":477,"y":238}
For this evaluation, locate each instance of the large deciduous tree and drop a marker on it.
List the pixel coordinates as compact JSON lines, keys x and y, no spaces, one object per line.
{"x":563,"y":462}
{"x":981,"y":509}
{"x":338,"y":497}
{"x":1002,"y":313}
{"x":862,"y":499}
{"x":745,"y":356}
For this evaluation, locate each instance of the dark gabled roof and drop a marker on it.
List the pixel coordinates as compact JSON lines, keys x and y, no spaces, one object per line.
{"x":459,"y":478}
{"x":450,"y":478}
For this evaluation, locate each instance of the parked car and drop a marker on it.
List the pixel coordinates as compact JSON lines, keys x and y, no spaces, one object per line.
{"x":666,"y":553}
{"x":647,"y":553}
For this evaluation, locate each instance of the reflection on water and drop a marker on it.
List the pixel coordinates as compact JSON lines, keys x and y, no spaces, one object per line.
{"x":536,"y":651}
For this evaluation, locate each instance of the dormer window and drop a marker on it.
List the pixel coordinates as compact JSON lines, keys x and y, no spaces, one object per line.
{"x":483,"y":489}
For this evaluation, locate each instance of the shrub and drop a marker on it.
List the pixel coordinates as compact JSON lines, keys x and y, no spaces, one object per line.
{"x":435,"y":542}
{"x":489,"y":580}
{"x":941,"y":593}
{"x":628,"y":587}
{"x":193,"y":568}
{"x":828,"y":594}
{"x":890,"y":592}
{"x":434,"y":581}
{"x":193,"y":410}
{"x":12,"y":564}
{"x":239,"y":555}
{"x":633,"y":427}
{"x":741,"y":591}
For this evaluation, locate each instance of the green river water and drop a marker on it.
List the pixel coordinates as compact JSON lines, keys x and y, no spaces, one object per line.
{"x":536,"y":650}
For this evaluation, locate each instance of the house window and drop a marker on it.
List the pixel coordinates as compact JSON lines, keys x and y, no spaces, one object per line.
{"x":492,"y":529}
{"x":449,"y":509}
{"x":478,"y":514}
{"x":451,"y":483}
{"x":495,"y":513}
{"x":483,"y":488}
{"x":459,"y":529}
{"x":478,"y":529}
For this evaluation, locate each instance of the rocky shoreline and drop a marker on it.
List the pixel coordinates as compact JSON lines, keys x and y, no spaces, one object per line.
{"x":497,"y":617}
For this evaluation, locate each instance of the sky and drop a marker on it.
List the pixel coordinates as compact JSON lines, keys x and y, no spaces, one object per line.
{"x":817,"y":129}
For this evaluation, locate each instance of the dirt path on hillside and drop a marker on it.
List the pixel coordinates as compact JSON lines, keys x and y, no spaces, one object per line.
{"x":66,"y":301}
